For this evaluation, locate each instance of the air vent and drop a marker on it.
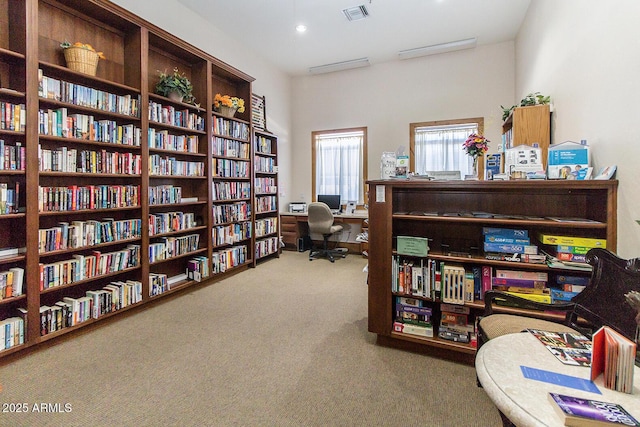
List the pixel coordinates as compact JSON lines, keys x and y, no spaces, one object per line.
{"x":356,"y":13}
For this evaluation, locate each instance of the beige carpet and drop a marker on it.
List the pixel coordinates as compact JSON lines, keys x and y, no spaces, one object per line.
{"x":284,"y":344}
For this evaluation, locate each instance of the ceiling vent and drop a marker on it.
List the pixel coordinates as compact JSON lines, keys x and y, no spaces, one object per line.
{"x":356,"y":13}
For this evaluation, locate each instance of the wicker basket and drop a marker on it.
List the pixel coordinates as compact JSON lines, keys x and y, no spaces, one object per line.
{"x":225,"y":111}
{"x":81,"y":60}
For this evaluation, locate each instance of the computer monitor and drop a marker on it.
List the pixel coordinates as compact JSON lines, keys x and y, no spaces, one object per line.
{"x":332,"y":200}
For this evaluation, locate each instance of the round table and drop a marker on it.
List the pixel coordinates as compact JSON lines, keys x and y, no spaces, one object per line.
{"x":525,"y":401}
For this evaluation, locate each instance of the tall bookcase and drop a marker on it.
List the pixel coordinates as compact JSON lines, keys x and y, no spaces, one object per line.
{"x":112,"y":193}
{"x":442,"y":211}
{"x":265,"y":146}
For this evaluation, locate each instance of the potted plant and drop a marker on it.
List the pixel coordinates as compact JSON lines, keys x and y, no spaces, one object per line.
{"x":227,"y":105}
{"x":175,"y":86}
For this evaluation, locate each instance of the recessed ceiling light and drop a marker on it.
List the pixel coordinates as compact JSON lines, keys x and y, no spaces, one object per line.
{"x":301,"y":28}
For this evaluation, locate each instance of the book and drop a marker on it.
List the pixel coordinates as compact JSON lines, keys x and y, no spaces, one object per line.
{"x":581,"y":412}
{"x":569,"y":348}
{"x":614,"y":355}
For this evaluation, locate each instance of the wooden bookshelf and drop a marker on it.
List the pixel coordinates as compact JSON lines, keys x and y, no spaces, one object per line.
{"x":528,"y":126}
{"x":133,"y":170}
{"x":396,"y":211}
{"x":265,"y":176}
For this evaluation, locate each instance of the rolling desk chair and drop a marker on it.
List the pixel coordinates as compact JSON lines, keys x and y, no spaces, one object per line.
{"x":320,"y":220}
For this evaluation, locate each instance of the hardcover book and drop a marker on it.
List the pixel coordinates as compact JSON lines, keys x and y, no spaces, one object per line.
{"x":580,"y":412}
{"x":614,"y":354}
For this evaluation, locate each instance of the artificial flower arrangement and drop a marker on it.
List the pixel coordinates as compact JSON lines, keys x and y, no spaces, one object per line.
{"x":476,"y":145}
{"x":228,"y":101}
{"x":67,"y":45}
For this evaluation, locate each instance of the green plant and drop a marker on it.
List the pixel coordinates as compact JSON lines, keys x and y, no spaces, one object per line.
{"x":175,"y":82}
{"x":530,"y":99}
{"x":506,"y":112}
{"x":534,"y":99}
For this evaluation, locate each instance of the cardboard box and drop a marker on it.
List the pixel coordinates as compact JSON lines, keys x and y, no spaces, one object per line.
{"x":568,"y":160}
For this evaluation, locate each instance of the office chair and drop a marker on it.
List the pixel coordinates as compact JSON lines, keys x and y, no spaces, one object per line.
{"x":320,"y":221}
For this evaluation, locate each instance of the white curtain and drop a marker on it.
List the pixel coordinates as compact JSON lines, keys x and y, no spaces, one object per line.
{"x":339,"y":159}
{"x":439,"y":148}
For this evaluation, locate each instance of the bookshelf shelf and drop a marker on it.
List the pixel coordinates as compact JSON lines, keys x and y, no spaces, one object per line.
{"x":593,"y":201}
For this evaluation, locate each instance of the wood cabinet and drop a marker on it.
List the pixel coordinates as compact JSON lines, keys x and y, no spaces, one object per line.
{"x":442,"y":211}
{"x":117,"y":195}
{"x":529,"y":126}
{"x":265,"y":148}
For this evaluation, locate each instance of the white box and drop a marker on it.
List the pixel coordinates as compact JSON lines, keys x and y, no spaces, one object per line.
{"x":568,"y":160}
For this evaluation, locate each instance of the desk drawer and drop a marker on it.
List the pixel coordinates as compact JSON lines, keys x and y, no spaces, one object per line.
{"x":288,"y":224}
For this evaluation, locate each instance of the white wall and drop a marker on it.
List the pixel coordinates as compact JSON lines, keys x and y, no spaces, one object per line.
{"x":585,"y":55}
{"x":387,"y":97}
{"x":275,"y":85}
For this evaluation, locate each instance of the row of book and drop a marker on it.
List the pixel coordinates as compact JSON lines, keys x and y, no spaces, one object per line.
{"x":262,"y":144}
{"x":11,"y":282}
{"x":265,"y":165}
{"x":228,"y":168}
{"x":84,"y":126}
{"x":163,"y":140}
{"x":84,"y":96}
{"x":230,"y":148}
{"x":9,"y":198}
{"x":12,"y":157}
{"x":64,"y":159}
{"x":165,"y":194}
{"x":158,"y":284}
{"x":169,"y":115}
{"x":166,"y":222}
{"x":12,"y":331}
{"x":80,"y":234}
{"x":231,"y":190}
{"x":266,"y":185}
{"x":82,"y":267}
{"x":231,"y":233}
{"x":228,"y":258}
{"x":230,"y":128}
{"x":240,"y":211}
{"x":173,"y":246}
{"x":266,"y":204}
{"x":456,"y":284}
{"x":170,"y":166}
{"x":198,"y":268}
{"x":267,"y":247}
{"x":13,"y":116}
{"x":72,"y":311}
{"x":76,"y":198}
{"x":266,"y":226}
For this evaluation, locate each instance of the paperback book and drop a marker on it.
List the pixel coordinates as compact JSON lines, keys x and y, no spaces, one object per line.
{"x":579,"y":412}
{"x":569,"y":348}
{"x":614,"y":355}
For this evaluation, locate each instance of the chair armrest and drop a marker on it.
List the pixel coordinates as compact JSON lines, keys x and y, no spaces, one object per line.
{"x":492,"y":298}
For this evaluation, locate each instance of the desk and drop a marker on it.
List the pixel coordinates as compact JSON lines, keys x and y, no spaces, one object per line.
{"x":293,"y":225}
{"x":524,"y":401}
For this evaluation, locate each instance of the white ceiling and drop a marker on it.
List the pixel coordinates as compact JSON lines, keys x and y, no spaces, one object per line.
{"x":268,"y":27}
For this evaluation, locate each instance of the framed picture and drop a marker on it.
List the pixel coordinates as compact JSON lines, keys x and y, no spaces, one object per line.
{"x":258,"y":111}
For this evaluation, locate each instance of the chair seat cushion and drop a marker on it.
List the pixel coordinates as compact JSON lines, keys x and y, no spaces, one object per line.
{"x":336,"y":228}
{"x":502,"y":324}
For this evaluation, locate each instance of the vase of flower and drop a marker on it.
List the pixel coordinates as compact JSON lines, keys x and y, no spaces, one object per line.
{"x":475,"y":146}
{"x":227,"y":105}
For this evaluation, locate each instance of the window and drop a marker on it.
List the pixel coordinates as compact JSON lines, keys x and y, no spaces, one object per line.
{"x":338,"y":163}
{"x":437,"y":146}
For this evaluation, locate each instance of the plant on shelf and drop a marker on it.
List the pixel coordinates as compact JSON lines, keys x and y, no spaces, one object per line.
{"x":475,"y":146}
{"x":531,"y":99}
{"x":228,"y":105}
{"x":175,"y":86}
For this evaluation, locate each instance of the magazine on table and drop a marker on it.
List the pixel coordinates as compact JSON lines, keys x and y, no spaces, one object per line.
{"x":569,"y":348}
